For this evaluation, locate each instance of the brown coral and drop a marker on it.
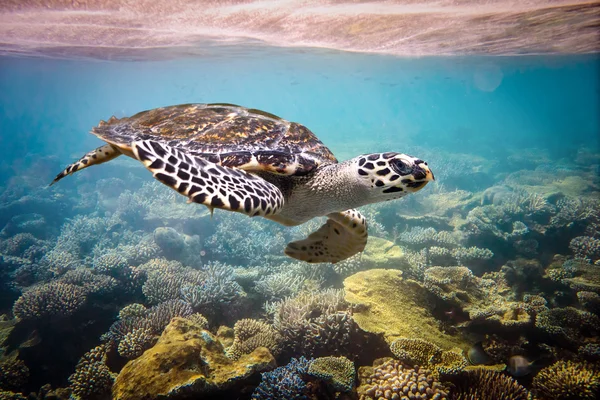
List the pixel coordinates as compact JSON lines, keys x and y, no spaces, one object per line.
{"x":250,"y":334}
{"x":389,"y":379}
{"x":484,"y":384}
{"x":567,"y":380}
{"x":415,"y":351}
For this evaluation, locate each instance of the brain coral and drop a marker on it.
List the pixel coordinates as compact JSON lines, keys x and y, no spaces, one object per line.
{"x":338,"y":372}
{"x":482,"y":384}
{"x":567,"y":380}
{"x":389,"y":379}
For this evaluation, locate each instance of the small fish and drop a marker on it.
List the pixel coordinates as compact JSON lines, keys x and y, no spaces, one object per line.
{"x":519,"y":366}
{"x":477,"y":355}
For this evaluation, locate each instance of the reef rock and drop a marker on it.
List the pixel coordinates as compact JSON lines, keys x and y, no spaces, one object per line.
{"x":395,"y":307}
{"x":186,"y":360}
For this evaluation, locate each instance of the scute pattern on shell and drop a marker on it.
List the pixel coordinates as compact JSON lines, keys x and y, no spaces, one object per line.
{"x":212,"y":130}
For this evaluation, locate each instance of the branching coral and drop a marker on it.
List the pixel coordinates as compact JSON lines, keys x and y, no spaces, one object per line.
{"x":54,"y":299}
{"x":251,"y":334}
{"x":110,"y":264}
{"x":285,"y":382}
{"x":483,"y":384}
{"x":389,"y":379}
{"x":92,"y":283}
{"x":585,"y":247}
{"x":567,"y":324}
{"x":279,"y":285}
{"x":92,"y":379}
{"x":13,"y":374}
{"x":419,"y":237}
{"x":338,"y":372}
{"x":134,"y":343}
{"x":313,"y":322}
{"x":567,"y":380}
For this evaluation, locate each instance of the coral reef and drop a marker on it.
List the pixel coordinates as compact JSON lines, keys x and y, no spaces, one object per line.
{"x":388,"y":304}
{"x":249,"y":335}
{"x":419,"y":352}
{"x":285,"y":382}
{"x":389,"y":379}
{"x":186,"y":359}
{"x":92,"y":379}
{"x":13,"y":374}
{"x":338,"y":372}
{"x":50,"y":300}
{"x":568,"y":324}
{"x":317,"y":323}
{"x":483,"y":384}
{"x":567,"y":380}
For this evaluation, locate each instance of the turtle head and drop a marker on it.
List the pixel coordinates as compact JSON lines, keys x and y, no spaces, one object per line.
{"x":392,"y":175}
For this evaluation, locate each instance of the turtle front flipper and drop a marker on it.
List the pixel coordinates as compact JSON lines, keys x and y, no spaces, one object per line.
{"x":98,"y":156}
{"x":207,"y":183}
{"x":342,"y":236}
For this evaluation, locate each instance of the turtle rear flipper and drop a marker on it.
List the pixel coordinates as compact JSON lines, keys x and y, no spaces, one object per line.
{"x":98,"y":156}
{"x":208,"y":183}
{"x":342,"y":236}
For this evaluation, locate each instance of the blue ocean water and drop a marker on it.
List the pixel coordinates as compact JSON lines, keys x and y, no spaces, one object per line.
{"x":474,"y":104}
{"x":99,"y":263}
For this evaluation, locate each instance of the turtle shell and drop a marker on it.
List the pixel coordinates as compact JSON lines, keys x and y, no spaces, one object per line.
{"x":226,"y":134}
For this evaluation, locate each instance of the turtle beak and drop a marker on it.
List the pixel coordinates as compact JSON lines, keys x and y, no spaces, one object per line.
{"x":428,"y":174}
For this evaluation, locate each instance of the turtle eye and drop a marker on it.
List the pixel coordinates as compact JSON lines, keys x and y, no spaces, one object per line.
{"x":401,"y":167}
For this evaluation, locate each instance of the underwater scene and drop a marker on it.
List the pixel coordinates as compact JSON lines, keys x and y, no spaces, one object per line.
{"x":299,"y":200}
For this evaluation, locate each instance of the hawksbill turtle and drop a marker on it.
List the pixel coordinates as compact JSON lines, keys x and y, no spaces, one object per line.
{"x":253,"y":162}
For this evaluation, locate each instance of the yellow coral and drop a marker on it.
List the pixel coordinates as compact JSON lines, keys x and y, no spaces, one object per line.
{"x":567,"y":380}
{"x":337,"y":371}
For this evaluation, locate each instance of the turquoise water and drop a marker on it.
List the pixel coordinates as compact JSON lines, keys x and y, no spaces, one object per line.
{"x":456,"y":104}
{"x":514,"y":143}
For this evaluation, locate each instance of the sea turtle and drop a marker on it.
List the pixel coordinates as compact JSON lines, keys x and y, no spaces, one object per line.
{"x":253,"y":162}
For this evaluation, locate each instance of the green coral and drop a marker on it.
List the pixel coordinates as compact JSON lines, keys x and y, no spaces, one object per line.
{"x":567,"y":380}
{"x":339,"y":372}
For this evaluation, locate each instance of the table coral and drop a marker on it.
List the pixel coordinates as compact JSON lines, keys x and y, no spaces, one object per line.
{"x":338,"y":372}
{"x":388,"y":304}
{"x":415,"y":351}
{"x":568,"y":324}
{"x":567,"y":380}
{"x":389,"y":379}
{"x":186,"y":360}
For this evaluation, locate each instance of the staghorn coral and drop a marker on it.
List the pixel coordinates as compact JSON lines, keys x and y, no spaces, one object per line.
{"x":338,"y":372}
{"x":92,"y":379}
{"x":50,"y":300}
{"x":389,"y":379}
{"x":285,"y":382}
{"x":18,"y":244}
{"x":484,"y":384}
{"x":279,"y":285}
{"x":567,"y":380}
{"x":250,"y":334}
{"x":165,"y":280}
{"x":134,"y":343}
{"x":13,"y":374}
{"x":187,"y":361}
{"x":415,"y":351}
